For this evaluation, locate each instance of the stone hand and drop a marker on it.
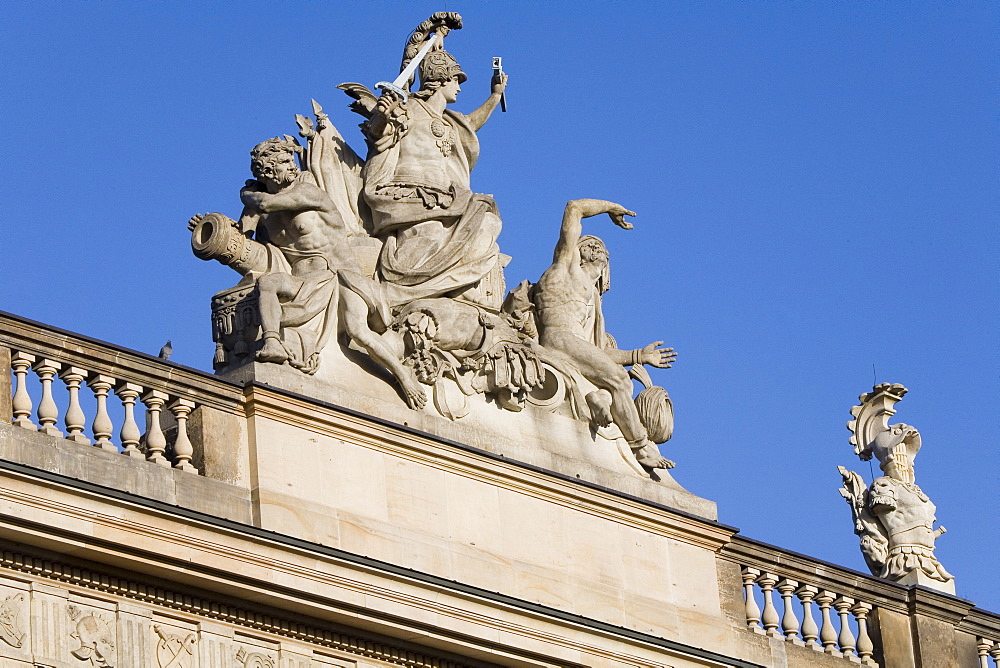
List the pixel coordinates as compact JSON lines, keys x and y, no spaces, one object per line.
{"x":656,"y":356}
{"x":195,"y":220}
{"x":618,"y":213}
{"x":498,"y":83}
{"x":388,"y":103}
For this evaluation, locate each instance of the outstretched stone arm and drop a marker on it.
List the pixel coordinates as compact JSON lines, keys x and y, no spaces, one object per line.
{"x":302,"y":197}
{"x":479,"y":117}
{"x":576,"y":210}
{"x":652,"y":354}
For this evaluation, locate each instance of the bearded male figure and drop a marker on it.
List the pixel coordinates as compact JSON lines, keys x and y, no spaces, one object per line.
{"x":314,"y":287}
{"x":440,"y":237}
{"x":568,"y":302}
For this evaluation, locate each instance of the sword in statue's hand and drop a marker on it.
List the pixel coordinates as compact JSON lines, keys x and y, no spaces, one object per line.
{"x":498,"y":73}
{"x":399,"y":85}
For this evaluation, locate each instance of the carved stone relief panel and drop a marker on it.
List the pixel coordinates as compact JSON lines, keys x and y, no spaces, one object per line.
{"x":175,"y":648}
{"x":254,"y":659}
{"x":13,"y":619}
{"x":93,"y":637}
{"x":15,"y":623}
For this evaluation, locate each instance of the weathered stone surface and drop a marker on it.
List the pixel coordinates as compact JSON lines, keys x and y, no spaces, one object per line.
{"x":113,"y":470}
{"x":536,"y":436}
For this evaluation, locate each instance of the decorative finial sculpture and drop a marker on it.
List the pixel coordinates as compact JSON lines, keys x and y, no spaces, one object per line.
{"x":893,"y":517}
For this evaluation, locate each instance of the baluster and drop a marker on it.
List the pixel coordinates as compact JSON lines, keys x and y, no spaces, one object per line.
{"x":156,"y":442}
{"x":789,"y":622}
{"x":75,"y":419}
{"x":102,"y":425}
{"x":810,"y":631}
{"x":48,"y":412}
{"x":983,"y":647}
{"x":750,"y":607}
{"x":130,"y":434}
{"x":827,"y":633}
{"x":183,"y":449}
{"x":846,"y":637}
{"x":750,"y":575}
{"x":20,"y":363}
{"x":865,"y":646}
{"x":770,"y":617}
{"x":995,"y":653}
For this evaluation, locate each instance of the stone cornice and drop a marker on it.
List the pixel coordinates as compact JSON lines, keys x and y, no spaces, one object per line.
{"x":47,"y":511}
{"x":337,"y":422}
{"x":981,"y":623}
{"x":938,"y":605}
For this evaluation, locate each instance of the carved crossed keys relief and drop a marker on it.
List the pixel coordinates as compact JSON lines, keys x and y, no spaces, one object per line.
{"x":174,"y":651}
{"x":10,"y":620}
{"x":96,"y":638}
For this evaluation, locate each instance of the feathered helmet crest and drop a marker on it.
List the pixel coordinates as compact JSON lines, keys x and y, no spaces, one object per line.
{"x":438,"y":66}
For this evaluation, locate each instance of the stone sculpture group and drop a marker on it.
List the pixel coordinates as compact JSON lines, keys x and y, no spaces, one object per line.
{"x":398,"y":255}
{"x":893,"y":518}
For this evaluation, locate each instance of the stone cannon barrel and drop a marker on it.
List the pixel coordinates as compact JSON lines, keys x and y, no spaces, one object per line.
{"x":215,"y":237}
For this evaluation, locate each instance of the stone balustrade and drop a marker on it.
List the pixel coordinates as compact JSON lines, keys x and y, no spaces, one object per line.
{"x":840,"y":612}
{"x":989,"y":648}
{"x":95,"y":394}
{"x":810,"y":615}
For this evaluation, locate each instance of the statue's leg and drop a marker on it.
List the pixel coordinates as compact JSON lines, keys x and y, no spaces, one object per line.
{"x":354,"y":320}
{"x":271,"y":289}
{"x":599,"y":369}
{"x":602,"y":371}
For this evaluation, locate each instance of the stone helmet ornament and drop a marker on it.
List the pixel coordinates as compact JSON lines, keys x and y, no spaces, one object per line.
{"x":440,"y":67}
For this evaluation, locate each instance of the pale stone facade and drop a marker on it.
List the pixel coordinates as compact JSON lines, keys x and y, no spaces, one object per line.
{"x":399,"y":462}
{"x":314,"y":535}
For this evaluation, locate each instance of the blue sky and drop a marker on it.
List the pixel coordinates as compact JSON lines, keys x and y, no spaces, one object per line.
{"x":816,"y":186}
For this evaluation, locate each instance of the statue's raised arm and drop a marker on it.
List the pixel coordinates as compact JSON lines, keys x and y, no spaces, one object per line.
{"x":572,"y":225}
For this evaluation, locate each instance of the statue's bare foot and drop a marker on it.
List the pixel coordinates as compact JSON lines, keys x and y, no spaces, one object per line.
{"x":657,"y":462}
{"x":649,"y":456}
{"x":599,"y":403}
{"x":415,"y":395}
{"x":272,"y":351}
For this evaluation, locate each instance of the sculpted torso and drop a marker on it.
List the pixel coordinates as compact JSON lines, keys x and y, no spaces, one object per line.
{"x":311,"y":230}
{"x":908,"y":518}
{"x":427,"y":149}
{"x":565,"y":298}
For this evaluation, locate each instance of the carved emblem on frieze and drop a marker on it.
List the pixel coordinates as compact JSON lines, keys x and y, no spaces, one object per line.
{"x":10,"y":620}
{"x":173,"y":650}
{"x":254,"y":660}
{"x":96,"y":637}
